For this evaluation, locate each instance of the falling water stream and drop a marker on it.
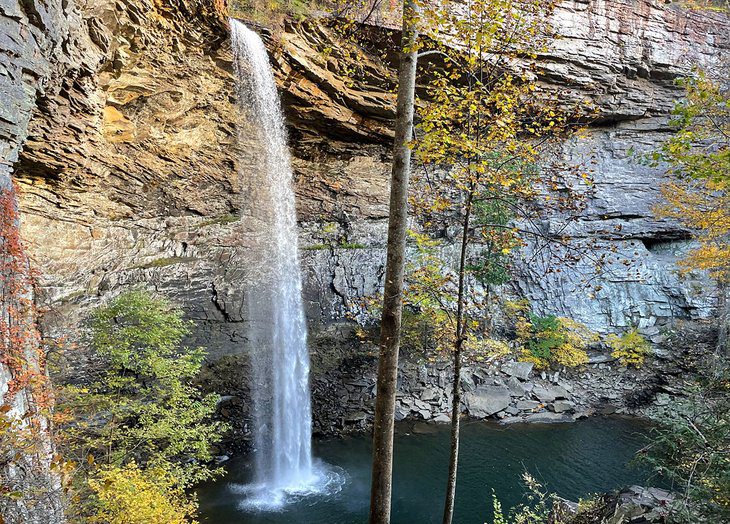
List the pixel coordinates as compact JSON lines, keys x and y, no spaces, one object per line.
{"x":277,"y":335}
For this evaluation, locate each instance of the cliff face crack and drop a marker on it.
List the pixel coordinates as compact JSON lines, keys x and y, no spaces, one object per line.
{"x":31,"y":12}
{"x":219,"y":306}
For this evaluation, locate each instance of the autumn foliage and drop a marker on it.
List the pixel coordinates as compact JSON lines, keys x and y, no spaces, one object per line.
{"x":20,"y":342}
{"x":698,"y":156}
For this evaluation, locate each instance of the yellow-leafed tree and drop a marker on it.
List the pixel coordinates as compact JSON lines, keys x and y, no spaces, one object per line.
{"x":698,"y":195}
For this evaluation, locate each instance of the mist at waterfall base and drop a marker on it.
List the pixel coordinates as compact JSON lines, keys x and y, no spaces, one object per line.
{"x":572,"y":460}
{"x":277,"y":336}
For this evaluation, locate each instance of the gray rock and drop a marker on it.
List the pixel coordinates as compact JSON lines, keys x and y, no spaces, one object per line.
{"x":442,"y":418}
{"x":608,"y":409}
{"x":487,"y":400}
{"x":561,"y":406}
{"x":527,"y":405}
{"x":600,"y":358}
{"x":520,"y":370}
{"x":430,"y":394}
{"x":516,"y":388}
{"x":549,"y":418}
{"x":548,"y":394}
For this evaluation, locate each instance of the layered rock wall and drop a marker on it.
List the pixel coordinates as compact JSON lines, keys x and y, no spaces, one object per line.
{"x":119,"y":123}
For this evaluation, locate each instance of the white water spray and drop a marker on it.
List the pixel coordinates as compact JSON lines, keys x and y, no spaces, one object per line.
{"x":278,"y":335}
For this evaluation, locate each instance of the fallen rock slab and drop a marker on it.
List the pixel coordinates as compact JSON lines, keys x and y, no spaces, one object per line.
{"x":520,"y":370}
{"x":487,"y":400}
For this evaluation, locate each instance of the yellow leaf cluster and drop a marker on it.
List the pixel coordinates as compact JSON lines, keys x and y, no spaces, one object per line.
{"x":630,"y":348}
{"x":130,"y":495}
{"x":702,"y":205}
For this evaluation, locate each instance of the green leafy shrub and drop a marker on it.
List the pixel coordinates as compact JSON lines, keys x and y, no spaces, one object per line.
{"x":552,"y":340}
{"x":691,"y":448}
{"x":630,"y":348}
{"x":142,"y":406}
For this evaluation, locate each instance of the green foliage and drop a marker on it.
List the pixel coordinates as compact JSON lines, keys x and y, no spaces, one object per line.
{"x":142,"y":406}
{"x":552,"y":340}
{"x":699,"y":148}
{"x":691,"y":447}
{"x":130,"y":495}
{"x":429,"y":315}
{"x":630,"y":348}
{"x":497,"y":243}
{"x":543,"y":507}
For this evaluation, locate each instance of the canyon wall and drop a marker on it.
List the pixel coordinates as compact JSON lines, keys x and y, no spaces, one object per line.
{"x":128,"y":168}
{"x":118,"y":121}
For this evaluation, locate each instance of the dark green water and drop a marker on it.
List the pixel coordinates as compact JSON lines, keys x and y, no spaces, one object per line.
{"x":572,"y":460}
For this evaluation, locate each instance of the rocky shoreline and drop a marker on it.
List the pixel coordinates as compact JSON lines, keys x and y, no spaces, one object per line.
{"x":510,"y":391}
{"x":507,"y":391}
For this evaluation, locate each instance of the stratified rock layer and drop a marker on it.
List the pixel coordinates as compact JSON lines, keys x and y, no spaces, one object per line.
{"x":118,"y":120}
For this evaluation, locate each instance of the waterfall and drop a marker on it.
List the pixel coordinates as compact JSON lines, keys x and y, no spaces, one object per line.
{"x":277,"y":335}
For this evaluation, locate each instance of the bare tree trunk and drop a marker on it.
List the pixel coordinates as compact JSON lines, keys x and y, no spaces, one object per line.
{"x":382,"y":472}
{"x":456,"y":392}
{"x":723,"y":330}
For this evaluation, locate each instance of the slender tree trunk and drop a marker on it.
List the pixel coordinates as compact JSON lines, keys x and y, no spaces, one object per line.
{"x":458,"y":344}
{"x":723,"y":332}
{"x":382,"y":472}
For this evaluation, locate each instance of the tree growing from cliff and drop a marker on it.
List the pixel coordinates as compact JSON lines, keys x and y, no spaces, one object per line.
{"x":484,"y":129}
{"x":142,"y":407}
{"x":28,"y":487}
{"x":698,"y":195}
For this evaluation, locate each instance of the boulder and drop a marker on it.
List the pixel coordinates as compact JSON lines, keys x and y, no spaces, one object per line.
{"x":487,"y":400}
{"x":520,"y":370}
{"x":562,"y":406}
{"x":516,"y":388}
{"x":430,"y":394}
{"x":527,"y":405}
{"x":549,"y":418}
{"x":549,"y":393}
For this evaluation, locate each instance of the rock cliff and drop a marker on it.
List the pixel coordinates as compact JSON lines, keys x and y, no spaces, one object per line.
{"x":118,"y":120}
